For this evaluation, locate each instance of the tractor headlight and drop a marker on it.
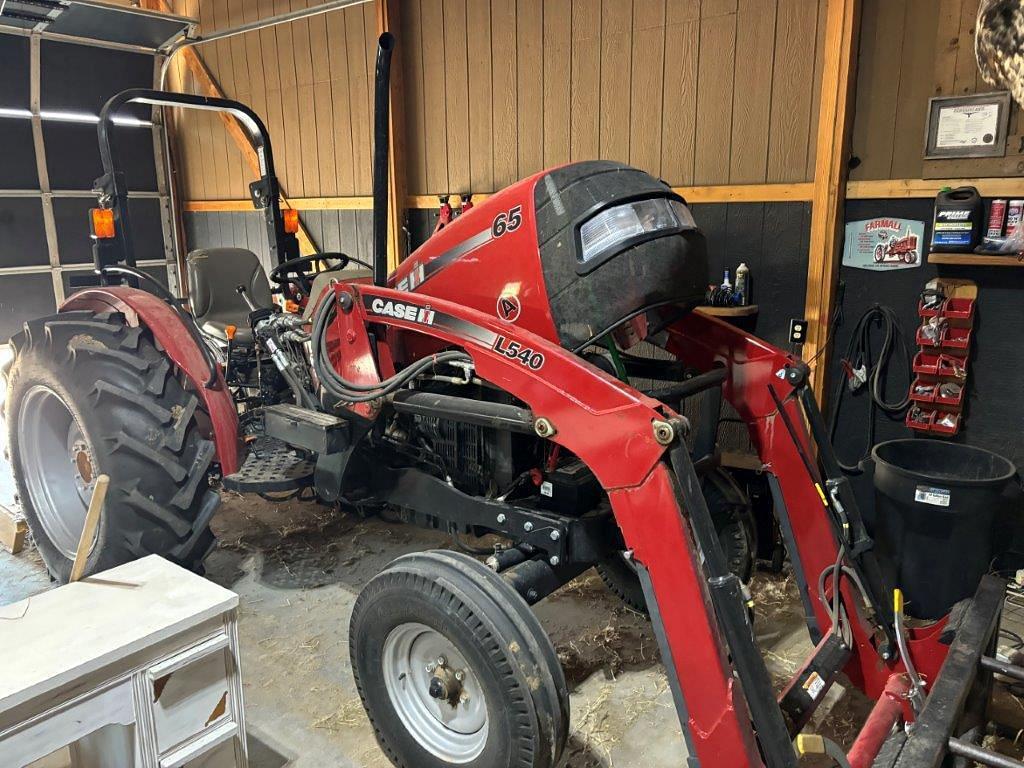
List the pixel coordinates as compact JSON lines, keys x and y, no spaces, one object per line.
{"x":613,"y":229}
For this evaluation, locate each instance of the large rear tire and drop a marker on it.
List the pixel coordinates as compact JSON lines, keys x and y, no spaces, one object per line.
{"x":454,"y":669}
{"x":731,"y":513}
{"x":90,"y":395}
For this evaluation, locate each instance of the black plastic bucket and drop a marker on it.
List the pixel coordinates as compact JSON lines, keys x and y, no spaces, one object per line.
{"x":935,"y":506}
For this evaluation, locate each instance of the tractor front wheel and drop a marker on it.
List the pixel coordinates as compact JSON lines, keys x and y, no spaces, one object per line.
{"x":90,"y":395}
{"x":454,"y":669}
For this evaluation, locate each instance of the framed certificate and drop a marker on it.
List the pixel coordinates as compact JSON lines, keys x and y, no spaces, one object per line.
{"x":967,"y":126}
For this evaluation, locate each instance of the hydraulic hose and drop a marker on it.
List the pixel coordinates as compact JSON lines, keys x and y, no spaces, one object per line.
{"x":859,"y":355}
{"x":354,"y":392}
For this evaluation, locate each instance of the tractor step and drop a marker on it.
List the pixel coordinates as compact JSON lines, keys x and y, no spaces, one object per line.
{"x":271,"y":466}
{"x":306,"y":428}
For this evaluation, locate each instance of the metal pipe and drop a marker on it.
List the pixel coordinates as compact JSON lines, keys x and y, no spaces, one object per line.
{"x":962,"y":748}
{"x":1002,"y":668}
{"x":252,"y":26}
{"x":884,"y":715}
{"x":381,"y":152}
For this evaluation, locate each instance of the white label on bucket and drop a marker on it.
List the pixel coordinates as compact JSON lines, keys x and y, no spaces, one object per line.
{"x":937,"y":497}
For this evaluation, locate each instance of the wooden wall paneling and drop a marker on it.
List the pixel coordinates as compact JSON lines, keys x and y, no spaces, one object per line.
{"x":349,"y":235}
{"x":478,"y":53}
{"x":792,"y":80}
{"x":308,"y":106}
{"x":344,"y":169}
{"x":881,"y":56}
{"x":456,"y":87}
{"x":324,"y":116}
{"x":916,"y":73}
{"x":435,"y":126}
{"x":585,"y":113}
{"x":647,"y":85}
{"x":213,"y":139}
{"x":291,"y":170}
{"x":557,"y":81}
{"x":715,"y":83}
{"x":504,"y":93}
{"x":819,"y":59}
{"x":966,"y":74}
{"x":244,"y":88}
{"x":947,"y":40}
{"x":751,"y":107}
{"x":359,"y":94}
{"x":616,"y":77}
{"x":272,"y":75}
{"x":253,"y":46}
{"x":225,"y":76}
{"x":412,"y":61}
{"x":679,"y":109}
{"x":530,"y":85}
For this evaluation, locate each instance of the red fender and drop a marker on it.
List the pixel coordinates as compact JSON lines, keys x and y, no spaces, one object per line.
{"x":142,"y":308}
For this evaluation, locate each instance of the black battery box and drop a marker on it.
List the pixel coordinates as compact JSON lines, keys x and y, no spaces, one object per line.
{"x":571,"y":489}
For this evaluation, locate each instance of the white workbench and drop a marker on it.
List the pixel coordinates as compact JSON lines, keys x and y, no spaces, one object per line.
{"x":134,"y":667}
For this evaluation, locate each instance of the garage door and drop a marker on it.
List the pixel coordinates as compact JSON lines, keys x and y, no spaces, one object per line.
{"x":51,"y":93}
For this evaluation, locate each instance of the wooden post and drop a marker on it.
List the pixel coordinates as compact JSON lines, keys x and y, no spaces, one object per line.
{"x":92,"y":522}
{"x":204,"y":78}
{"x":388,"y":20}
{"x":835,"y":119}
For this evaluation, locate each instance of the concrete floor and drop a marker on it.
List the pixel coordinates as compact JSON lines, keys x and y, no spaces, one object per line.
{"x":298,"y":568}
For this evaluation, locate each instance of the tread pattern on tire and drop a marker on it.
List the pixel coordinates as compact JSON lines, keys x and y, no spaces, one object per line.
{"x":147,"y":431}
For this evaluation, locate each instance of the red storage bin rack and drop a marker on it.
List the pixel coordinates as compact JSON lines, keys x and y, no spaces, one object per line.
{"x":940,"y":361}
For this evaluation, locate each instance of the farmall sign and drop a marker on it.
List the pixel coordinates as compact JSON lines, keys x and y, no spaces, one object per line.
{"x":883,"y":243}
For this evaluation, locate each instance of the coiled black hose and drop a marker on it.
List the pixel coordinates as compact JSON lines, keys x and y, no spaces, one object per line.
{"x":859,"y":354}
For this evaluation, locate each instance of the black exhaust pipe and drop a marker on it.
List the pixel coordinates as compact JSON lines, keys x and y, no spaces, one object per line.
{"x":381,"y":141}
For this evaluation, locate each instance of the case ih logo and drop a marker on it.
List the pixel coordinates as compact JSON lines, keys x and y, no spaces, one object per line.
{"x":509,"y":308}
{"x":400,"y":311}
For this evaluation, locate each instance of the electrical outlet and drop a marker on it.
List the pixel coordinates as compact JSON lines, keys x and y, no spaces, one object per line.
{"x":797,"y":331}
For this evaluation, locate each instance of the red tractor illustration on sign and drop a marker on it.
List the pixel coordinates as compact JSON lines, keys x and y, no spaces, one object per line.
{"x":897,"y":248}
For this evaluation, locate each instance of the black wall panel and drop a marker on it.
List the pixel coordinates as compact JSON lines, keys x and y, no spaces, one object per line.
{"x":14,"y":71}
{"x":18,"y":153}
{"x":24,"y":297}
{"x":22,"y":234}
{"x":995,"y":409}
{"x":73,"y":156}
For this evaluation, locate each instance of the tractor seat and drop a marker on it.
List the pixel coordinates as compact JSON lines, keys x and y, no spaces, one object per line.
{"x":214,"y":274}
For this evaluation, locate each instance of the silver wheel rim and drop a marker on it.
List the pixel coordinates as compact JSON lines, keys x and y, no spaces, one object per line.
{"x":57,"y":466}
{"x":455,"y":733}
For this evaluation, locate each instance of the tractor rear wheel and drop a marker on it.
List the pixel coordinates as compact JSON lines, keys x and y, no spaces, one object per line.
{"x":90,"y":395}
{"x":737,"y":535}
{"x":453,"y":668}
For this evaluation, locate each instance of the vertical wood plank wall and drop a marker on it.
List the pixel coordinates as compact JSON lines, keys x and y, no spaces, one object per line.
{"x":310,"y":81}
{"x":910,"y":51}
{"x":694,"y":91}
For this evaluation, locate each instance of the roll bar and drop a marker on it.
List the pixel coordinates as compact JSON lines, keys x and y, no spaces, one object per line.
{"x":113,"y":189}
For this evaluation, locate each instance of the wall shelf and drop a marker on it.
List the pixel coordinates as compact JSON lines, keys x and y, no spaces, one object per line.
{"x":975,"y":259}
{"x":750,"y":309}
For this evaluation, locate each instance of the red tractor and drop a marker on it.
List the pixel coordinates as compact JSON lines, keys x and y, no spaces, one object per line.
{"x":897,"y":249}
{"x":487,"y":386}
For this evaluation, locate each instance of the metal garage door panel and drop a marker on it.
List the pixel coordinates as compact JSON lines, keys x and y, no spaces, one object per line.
{"x":22,"y":234}
{"x":14,"y":64}
{"x":18,"y":167}
{"x":157,"y":271}
{"x":74,"y":244}
{"x":24,"y":297}
{"x":73,"y":156}
{"x":81,"y":78}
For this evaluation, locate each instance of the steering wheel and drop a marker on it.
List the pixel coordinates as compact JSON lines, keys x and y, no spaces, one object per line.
{"x":294,"y":271}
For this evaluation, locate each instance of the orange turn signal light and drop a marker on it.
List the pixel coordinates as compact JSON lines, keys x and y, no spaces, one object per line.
{"x":291,"y":220}
{"x":230,"y":332}
{"x":102,"y":223}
